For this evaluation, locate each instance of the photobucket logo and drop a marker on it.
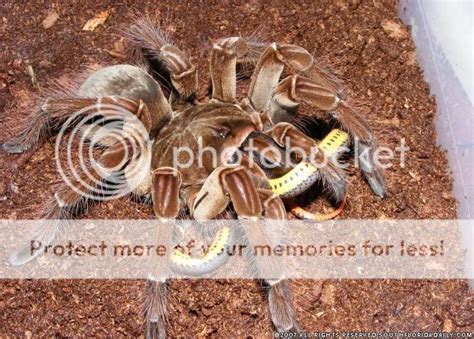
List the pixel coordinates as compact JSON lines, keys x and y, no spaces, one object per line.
{"x":80,"y":147}
{"x":271,"y":157}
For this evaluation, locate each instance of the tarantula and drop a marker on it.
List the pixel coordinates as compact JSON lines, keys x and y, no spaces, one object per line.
{"x":223,"y":123}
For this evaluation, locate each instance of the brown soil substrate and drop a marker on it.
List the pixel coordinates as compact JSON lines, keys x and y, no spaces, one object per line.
{"x":371,"y":50}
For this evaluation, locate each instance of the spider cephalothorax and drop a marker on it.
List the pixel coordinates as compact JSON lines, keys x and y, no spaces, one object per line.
{"x":206,"y":186}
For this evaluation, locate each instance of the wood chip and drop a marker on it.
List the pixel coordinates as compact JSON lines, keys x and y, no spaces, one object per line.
{"x":98,"y":19}
{"x":116,"y":55}
{"x":394,"y":30}
{"x":32,"y":74}
{"x":3,"y":85}
{"x":414,"y":175}
{"x":447,"y":325}
{"x":50,"y":19}
{"x":328,"y":295}
{"x":411,"y":58}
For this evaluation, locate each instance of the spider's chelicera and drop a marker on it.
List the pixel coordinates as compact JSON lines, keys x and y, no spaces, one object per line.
{"x":172,"y":119}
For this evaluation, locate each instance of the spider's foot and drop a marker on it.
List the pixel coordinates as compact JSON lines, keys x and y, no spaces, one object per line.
{"x":377,"y":184}
{"x":281,"y":308}
{"x":372,"y":172}
{"x":155,"y":330}
{"x":13,"y":147}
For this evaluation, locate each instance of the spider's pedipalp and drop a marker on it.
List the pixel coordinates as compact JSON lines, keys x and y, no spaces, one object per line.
{"x":269,"y":68}
{"x":151,"y":47}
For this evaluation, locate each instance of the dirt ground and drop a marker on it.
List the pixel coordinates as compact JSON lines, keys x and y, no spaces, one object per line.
{"x":370,"y":49}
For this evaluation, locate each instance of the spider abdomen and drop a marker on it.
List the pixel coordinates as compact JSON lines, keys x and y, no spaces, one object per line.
{"x":126,"y":81}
